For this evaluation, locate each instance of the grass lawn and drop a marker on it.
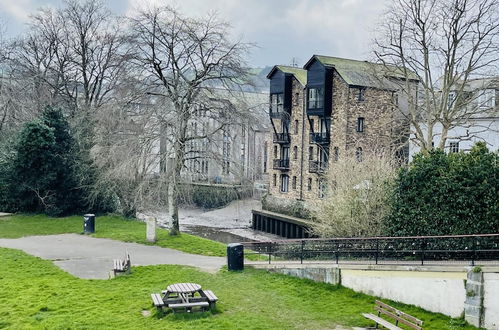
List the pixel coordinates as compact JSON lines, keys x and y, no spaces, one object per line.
{"x":111,"y":226}
{"x":37,"y":294}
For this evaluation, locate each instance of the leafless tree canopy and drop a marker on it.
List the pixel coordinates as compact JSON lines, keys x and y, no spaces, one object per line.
{"x":445,"y":44}
{"x":193,"y":65}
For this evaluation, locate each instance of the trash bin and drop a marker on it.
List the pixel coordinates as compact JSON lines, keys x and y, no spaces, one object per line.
{"x":89,"y":223}
{"x":235,"y":256}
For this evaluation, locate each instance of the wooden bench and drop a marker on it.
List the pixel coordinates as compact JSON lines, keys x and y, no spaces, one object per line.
{"x":122,"y":266}
{"x":188,"y":306}
{"x":157,"y":300}
{"x":398,"y":316}
{"x":212,"y":299}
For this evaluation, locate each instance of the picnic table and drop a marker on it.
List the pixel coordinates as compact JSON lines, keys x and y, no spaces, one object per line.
{"x":184,"y":296}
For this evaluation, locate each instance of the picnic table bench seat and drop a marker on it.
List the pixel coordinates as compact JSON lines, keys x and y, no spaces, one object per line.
{"x":395,"y":314}
{"x":157,"y":300}
{"x":202,"y":304}
{"x":212,"y":299}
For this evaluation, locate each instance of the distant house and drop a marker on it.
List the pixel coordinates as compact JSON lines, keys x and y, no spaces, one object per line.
{"x":480,"y":123}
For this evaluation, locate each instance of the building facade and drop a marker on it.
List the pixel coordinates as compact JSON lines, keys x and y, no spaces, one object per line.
{"x":330,"y":108}
{"x":479,"y":122}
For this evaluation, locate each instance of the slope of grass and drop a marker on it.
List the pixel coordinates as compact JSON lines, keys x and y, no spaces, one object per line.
{"x":111,"y":226}
{"x":36,"y":294}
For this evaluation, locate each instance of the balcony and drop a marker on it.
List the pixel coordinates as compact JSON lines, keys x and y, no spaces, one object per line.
{"x":317,"y":166}
{"x":281,"y":164}
{"x":282,"y":138}
{"x":320,"y":138}
{"x":279,"y":114}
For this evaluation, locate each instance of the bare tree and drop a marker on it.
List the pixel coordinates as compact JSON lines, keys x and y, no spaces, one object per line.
{"x":186,"y":61}
{"x":356,"y":194}
{"x":444,"y":44}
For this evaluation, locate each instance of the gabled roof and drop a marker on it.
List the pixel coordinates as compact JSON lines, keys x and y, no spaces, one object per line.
{"x":299,"y":74}
{"x":362,"y":73}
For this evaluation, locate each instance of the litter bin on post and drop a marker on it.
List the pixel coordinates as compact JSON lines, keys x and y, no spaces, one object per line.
{"x":89,"y":223}
{"x":235,"y":256}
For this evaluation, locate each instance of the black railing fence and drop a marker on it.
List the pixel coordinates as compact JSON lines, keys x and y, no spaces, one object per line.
{"x":419,"y":250}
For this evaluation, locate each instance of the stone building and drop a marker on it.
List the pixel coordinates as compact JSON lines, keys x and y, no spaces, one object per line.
{"x":330,"y":108}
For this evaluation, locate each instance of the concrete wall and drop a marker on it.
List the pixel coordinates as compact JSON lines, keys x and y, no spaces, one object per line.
{"x":454,"y":291}
{"x":491,"y":300}
{"x":437,"y":291}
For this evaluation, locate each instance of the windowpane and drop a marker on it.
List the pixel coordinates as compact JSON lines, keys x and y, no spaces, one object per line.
{"x":284,"y":183}
{"x":360,"y":124}
{"x":454,"y":147}
{"x":315,"y":98}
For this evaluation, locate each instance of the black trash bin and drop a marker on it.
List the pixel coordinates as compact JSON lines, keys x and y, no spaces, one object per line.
{"x":89,"y":223}
{"x":235,"y":256}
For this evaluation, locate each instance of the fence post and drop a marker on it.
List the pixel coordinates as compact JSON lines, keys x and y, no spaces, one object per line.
{"x":302,"y":246}
{"x":422,"y":251}
{"x":473,"y":256}
{"x":377,"y":250}
{"x":337,"y":252}
{"x":269,"y":250}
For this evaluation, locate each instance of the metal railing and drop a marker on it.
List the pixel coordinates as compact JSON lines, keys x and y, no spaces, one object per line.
{"x":282,"y":138}
{"x":316,"y":166}
{"x":281,"y":164}
{"x":320,"y":138}
{"x":413,"y":250}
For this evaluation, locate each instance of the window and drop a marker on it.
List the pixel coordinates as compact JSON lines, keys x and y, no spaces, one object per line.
{"x":322,"y":188}
{"x":454,"y":147}
{"x":296,"y":126}
{"x":296,"y":100}
{"x":360,"y":124}
{"x":358,"y":154}
{"x":309,"y":185}
{"x":315,"y":98}
{"x":294,"y":182}
{"x":361,"y":94}
{"x":310,"y":153}
{"x":265,"y":156}
{"x":275,"y":152}
{"x":295,"y":152}
{"x":451,"y":98}
{"x":274,"y":180}
{"x":311,"y":121}
{"x":276,"y":102}
{"x":486,"y":98}
{"x":336,"y":154}
{"x":284,"y":183}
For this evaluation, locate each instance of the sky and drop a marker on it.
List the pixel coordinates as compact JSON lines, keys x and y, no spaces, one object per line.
{"x":283,"y":30}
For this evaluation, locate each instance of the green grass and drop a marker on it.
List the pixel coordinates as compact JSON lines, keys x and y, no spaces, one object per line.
{"x":111,"y":226}
{"x":36,"y":294}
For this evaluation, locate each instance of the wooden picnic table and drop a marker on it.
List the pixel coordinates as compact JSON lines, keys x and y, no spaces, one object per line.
{"x":183,"y":295}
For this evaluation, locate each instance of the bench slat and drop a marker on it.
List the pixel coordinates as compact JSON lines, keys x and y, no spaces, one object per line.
{"x":399,"y":313}
{"x":196,"y":304}
{"x":157,"y":300}
{"x":398,"y":318}
{"x":381,"y":321}
{"x":210,"y":295}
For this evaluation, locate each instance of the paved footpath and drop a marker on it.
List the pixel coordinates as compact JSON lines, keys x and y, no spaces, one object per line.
{"x":92,"y":258}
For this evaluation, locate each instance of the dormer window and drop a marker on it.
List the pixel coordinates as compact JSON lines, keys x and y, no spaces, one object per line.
{"x":361,"y":94}
{"x":315,"y":98}
{"x":486,"y":98}
{"x":276,"y":102}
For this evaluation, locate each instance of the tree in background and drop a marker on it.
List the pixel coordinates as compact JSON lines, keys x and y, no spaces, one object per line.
{"x":444,"y":44}
{"x":447,"y":194}
{"x":190,"y":64}
{"x":356,"y":197}
{"x":43,"y":172}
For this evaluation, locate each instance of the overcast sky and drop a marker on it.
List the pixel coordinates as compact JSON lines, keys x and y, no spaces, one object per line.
{"x":282,"y":29}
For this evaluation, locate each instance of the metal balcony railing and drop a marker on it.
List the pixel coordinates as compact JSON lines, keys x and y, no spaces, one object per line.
{"x":282,"y":138}
{"x":317,"y":166}
{"x":281,"y":164}
{"x":320,"y":138}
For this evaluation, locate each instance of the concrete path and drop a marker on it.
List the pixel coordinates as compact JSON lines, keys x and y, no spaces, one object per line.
{"x":92,"y":258}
